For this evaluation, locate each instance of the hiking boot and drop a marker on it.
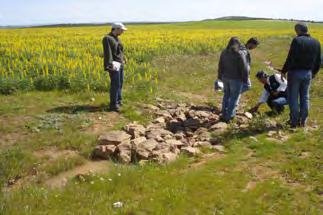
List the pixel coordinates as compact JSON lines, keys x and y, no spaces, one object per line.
{"x":114,"y":109}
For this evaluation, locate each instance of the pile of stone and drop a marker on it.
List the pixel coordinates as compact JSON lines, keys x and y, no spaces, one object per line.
{"x":177,"y":128}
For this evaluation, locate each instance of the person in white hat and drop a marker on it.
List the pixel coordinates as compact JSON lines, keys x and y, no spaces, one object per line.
{"x":114,"y":61}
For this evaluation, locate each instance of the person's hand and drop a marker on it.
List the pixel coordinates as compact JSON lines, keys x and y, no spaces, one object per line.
{"x":110,"y":68}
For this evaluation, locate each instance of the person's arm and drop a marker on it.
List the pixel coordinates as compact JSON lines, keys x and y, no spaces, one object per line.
{"x":108,"y":59}
{"x":244,"y":66}
{"x":220,"y":67}
{"x":263,"y":99}
{"x":318,"y":62}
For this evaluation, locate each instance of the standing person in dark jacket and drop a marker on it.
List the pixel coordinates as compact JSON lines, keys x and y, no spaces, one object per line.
{"x":233,"y":72}
{"x":302,"y":65}
{"x":251,"y":44}
{"x":274,"y":93}
{"x":114,"y":61}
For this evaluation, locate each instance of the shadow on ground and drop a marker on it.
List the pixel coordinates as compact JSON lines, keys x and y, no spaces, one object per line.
{"x":74,"y":109}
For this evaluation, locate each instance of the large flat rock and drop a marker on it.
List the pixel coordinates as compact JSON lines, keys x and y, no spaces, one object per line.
{"x":114,"y":138}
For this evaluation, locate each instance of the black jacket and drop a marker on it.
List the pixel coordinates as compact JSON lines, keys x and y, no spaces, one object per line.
{"x":113,"y":51}
{"x":304,"y":54}
{"x":233,"y":65}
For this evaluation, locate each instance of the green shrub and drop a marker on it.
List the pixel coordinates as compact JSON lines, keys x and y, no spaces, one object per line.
{"x":45,"y":83}
{"x":7,"y":87}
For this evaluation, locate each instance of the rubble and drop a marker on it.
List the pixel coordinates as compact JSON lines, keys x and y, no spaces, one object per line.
{"x":176,"y":128}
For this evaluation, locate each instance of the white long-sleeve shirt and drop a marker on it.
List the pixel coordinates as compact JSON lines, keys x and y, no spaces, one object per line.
{"x":282,"y":87}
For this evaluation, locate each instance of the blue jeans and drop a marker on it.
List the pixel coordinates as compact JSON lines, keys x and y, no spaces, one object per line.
{"x":277,"y":104}
{"x":299,"y":82}
{"x":232,"y":92}
{"x":116,"y":78}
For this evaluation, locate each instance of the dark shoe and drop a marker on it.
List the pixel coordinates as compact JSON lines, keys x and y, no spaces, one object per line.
{"x":292,"y":125}
{"x":278,"y":109}
{"x":302,"y":124}
{"x":114,"y":109}
{"x":222,"y":119}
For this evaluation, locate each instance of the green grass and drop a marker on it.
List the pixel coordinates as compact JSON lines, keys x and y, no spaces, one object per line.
{"x":285,"y":182}
{"x":63,"y":164}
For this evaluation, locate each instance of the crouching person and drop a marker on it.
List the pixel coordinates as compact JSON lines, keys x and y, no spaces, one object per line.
{"x":274,"y":94}
{"x":233,"y":72}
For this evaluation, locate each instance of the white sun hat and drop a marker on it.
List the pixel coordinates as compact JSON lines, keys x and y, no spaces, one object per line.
{"x":119,"y":25}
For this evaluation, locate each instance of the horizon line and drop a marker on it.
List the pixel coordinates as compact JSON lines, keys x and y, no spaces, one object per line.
{"x":224,"y":18}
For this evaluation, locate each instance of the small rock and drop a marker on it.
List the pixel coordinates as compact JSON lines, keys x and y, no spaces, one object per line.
{"x":159,"y":120}
{"x":270,"y":124}
{"x":163,"y":147}
{"x":204,"y":144}
{"x":135,"y":130}
{"x":202,"y":134}
{"x":305,"y":155}
{"x":244,"y":126}
{"x":104,"y":152}
{"x":166,"y":157}
{"x":169,"y":157}
{"x":253,"y":138}
{"x":151,"y":107}
{"x":181,"y":117}
{"x":219,"y":127}
{"x":142,"y":153}
{"x":272,"y":133}
{"x":149,"y":145}
{"x":190,"y":151}
{"x":138,"y":140}
{"x":124,"y":152}
{"x":118,"y":205}
{"x":164,"y":114}
{"x":248,"y":115}
{"x":157,"y":133}
{"x":145,"y":149}
{"x":242,"y":119}
{"x":114,"y":138}
{"x":219,"y":148}
{"x":143,"y":162}
{"x":159,"y":139}
{"x":179,"y":135}
{"x":189,"y":134}
{"x":174,"y":142}
{"x":168,"y":137}
{"x":203,"y":114}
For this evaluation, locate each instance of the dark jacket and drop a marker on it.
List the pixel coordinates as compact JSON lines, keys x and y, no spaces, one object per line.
{"x":113,"y":51}
{"x":233,"y":65}
{"x":304,"y":54}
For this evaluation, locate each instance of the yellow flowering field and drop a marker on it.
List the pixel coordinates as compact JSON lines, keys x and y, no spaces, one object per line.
{"x":70,"y":58}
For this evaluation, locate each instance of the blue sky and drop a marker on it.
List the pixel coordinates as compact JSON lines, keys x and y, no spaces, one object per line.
{"x":26,"y":12}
